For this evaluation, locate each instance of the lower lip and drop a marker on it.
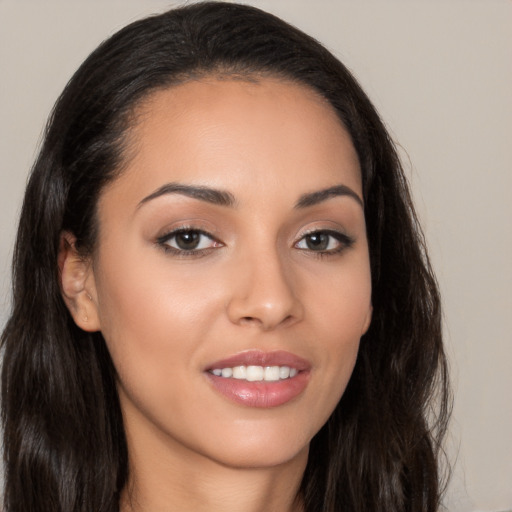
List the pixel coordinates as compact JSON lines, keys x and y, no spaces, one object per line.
{"x":262,"y":394}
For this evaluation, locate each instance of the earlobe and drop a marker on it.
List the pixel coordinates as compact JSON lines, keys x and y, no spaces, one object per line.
{"x":77,"y":284}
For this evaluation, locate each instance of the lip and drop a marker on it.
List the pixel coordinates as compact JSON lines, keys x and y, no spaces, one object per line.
{"x":260,"y":358}
{"x":261,"y":394}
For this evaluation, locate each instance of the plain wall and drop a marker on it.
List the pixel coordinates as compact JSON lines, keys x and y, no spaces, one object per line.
{"x":440,"y":72}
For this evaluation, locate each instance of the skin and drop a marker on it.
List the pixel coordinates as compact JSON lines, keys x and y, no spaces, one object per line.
{"x":256,"y":284}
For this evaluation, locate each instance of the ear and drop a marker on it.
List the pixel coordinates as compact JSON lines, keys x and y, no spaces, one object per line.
{"x":77,"y":284}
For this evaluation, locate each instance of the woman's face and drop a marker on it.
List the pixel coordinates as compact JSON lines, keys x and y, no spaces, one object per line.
{"x":234,"y":238}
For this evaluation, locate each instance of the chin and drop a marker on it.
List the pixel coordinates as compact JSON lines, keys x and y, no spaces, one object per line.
{"x":259,"y":446}
{"x":261,"y":458}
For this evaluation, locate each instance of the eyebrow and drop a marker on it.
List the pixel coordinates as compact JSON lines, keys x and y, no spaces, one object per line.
{"x":207,"y":194}
{"x":224,"y":198}
{"x":319,"y":196}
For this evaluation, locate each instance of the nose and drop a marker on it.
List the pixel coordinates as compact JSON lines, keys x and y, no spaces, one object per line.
{"x":264,"y":293}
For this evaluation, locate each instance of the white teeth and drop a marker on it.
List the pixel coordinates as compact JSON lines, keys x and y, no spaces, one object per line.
{"x":271,"y":373}
{"x":284,"y":372}
{"x":256,"y":373}
{"x":239,"y":372}
{"x":227,"y":372}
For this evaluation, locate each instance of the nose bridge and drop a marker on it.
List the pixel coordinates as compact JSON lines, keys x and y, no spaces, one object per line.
{"x":264,"y":290}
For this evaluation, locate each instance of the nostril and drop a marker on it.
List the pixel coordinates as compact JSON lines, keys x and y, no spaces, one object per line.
{"x":249,"y":319}
{"x":258,"y":321}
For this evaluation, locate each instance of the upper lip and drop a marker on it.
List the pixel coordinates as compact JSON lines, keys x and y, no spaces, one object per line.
{"x":261,"y":358}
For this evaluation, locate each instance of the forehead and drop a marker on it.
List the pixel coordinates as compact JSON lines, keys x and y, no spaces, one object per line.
{"x":233,"y":133}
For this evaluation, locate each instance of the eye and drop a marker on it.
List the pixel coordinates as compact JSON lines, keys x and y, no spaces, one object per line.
{"x":184,"y":241}
{"x":324,"y":242}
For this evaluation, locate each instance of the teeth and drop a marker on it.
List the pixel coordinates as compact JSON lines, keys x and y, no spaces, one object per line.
{"x":227,"y":372}
{"x":256,"y":373}
{"x":284,"y":372}
{"x":271,"y":373}
{"x":240,"y":372}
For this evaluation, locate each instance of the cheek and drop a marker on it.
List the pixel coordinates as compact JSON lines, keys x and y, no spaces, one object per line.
{"x":149,"y":312}
{"x":340,"y":301}
{"x":340,"y":312}
{"x":162,"y":320}
{"x":154,"y":321}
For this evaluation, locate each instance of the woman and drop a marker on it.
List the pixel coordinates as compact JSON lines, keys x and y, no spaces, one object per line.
{"x":222,"y":299}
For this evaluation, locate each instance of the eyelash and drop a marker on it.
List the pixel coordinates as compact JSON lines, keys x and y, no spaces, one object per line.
{"x":163,"y":242}
{"x":344,"y":241}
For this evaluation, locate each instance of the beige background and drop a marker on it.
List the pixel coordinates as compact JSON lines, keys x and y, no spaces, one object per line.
{"x":440,"y":73}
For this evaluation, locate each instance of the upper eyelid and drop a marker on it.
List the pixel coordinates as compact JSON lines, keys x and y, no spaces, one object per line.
{"x":183,"y":229}
{"x":320,"y":230}
{"x":329,"y":231}
{"x":342,"y":237}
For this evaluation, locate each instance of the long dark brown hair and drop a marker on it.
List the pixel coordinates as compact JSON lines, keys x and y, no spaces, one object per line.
{"x":64,"y":443}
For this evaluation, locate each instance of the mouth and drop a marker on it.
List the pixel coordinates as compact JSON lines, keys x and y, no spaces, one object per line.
{"x":260,"y":379}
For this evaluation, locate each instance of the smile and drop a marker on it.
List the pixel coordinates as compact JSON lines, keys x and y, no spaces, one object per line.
{"x":260,"y":379}
{"x":256,"y":373}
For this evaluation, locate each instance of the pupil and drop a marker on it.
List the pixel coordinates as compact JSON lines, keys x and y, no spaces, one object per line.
{"x":187,"y":240}
{"x":317,"y":241}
